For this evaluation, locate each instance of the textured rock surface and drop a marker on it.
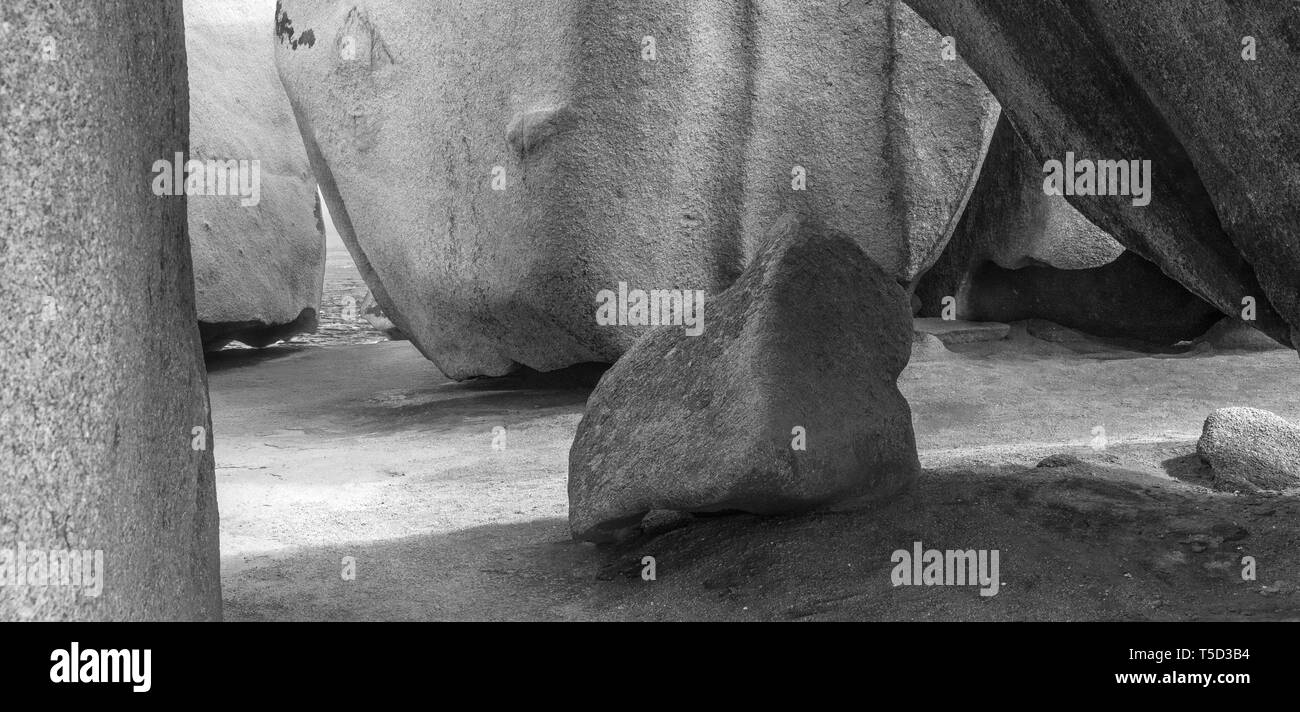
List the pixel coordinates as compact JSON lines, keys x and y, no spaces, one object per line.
{"x":1128,"y":298}
{"x":1250,"y":449}
{"x":257,"y":268}
{"x":892,"y":136}
{"x":100,"y":359}
{"x":812,"y":335}
{"x":1164,"y":81}
{"x":613,"y":168}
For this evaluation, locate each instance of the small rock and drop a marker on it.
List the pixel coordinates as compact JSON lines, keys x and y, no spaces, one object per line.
{"x":1059,"y":460}
{"x":1250,"y":449}
{"x":928,"y":347}
{"x":1276,"y":588}
{"x":1230,"y":532}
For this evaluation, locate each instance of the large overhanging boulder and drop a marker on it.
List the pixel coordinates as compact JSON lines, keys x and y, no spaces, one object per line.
{"x":494,"y":166}
{"x":1022,"y":253}
{"x":1173,"y":83}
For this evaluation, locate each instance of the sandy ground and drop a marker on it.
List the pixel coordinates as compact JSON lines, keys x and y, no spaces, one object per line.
{"x":366,"y":451}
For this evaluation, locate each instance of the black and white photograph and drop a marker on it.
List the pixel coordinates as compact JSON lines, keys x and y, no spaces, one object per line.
{"x":649,"y":311}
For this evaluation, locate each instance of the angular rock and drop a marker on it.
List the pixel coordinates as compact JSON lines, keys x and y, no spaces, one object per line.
{"x":1250,"y":449}
{"x":812,"y":335}
{"x":661,"y":173}
{"x":1169,"y":82}
{"x":100,"y":363}
{"x":1231,"y":334}
{"x":257,"y":268}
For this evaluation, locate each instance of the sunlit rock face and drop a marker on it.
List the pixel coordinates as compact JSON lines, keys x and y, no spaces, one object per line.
{"x":1207,"y":92}
{"x":494,"y":165}
{"x":259,"y":248}
{"x":106,"y":446}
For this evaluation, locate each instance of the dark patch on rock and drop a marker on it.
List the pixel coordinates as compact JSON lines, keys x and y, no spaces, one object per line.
{"x":257,"y":334}
{"x":284,"y":30}
{"x":1128,"y":298}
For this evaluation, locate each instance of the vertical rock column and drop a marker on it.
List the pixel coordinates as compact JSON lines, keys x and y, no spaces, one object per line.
{"x":101,"y":375}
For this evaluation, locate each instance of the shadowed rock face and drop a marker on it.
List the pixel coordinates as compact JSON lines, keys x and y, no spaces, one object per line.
{"x":494,"y":165}
{"x":1020,"y":253}
{"x":1013,"y":223}
{"x":787,"y":400}
{"x":100,"y":360}
{"x":257,"y":268}
{"x":1164,"y":81}
{"x":1128,"y":298}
